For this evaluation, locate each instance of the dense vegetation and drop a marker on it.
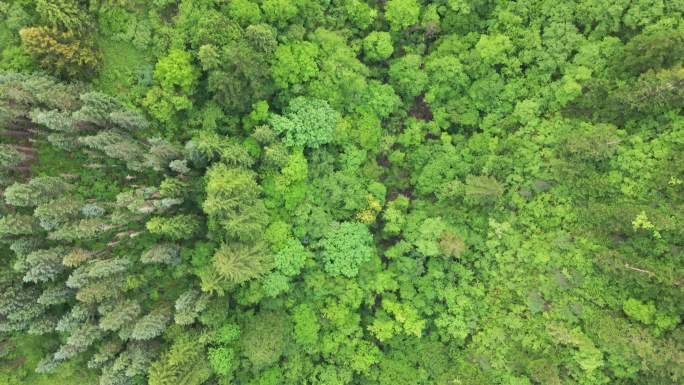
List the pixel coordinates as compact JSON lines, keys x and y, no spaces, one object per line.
{"x":332,"y":192}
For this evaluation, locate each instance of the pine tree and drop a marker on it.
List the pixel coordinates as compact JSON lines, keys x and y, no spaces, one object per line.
{"x":177,"y":227}
{"x":85,"y":229}
{"x":160,"y":154}
{"x":77,"y":315}
{"x":239,"y":262}
{"x":100,"y":289}
{"x":233,"y":201}
{"x":12,"y":225}
{"x":184,"y":364}
{"x":168,"y":253}
{"x":37,"y":191}
{"x":97,"y":270}
{"x":114,"y":316}
{"x":18,"y":307}
{"x":62,"y":13}
{"x":188,"y":306}
{"x":44,"y":265}
{"x":55,"y":120}
{"x":151,"y":325}
{"x":57,"y":212}
{"x":76,"y":256}
{"x":84,"y":336}
{"x":55,"y":295}
{"x":10,"y":157}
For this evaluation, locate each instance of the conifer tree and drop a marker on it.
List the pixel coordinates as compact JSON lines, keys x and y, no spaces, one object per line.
{"x":239,"y":262}
{"x":37,"y":191}
{"x":151,"y":325}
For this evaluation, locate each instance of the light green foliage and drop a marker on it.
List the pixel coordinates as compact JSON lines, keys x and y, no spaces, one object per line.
{"x":407,"y":75}
{"x":306,"y":122}
{"x":291,"y":258}
{"x":346,"y":248}
{"x":176,"y":79}
{"x":295,"y":64}
{"x":245,"y":12}
{"x":37,"y":191}
{"x":642,"y":312}
{"x":482,"y":189}
{"x":306,"y":326}
{"x":238,"y":262}
{"x":221,"y":360}
{"x":233,"y":201}
{"x":377,"y":46}
{"x":279,"y":12}
{"x":177,"y":227}
{"x":402,"y":14}
{"x":184,"y":364}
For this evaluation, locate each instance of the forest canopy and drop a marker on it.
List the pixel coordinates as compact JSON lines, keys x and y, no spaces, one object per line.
{"x":341,"y":192}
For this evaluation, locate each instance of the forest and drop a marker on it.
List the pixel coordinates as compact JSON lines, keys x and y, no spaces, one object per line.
{"x":341,"y":192}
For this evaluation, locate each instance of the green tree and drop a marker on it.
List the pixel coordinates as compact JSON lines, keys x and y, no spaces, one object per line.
{"x":306,"y":122}
{"x":402,"y":14}
{"x":346,"y":248}
{"x":407,"y":75}
{"x":176,"y":78}
{"x":238,"y":262}
{"x":151,"y":324}
{"x":233,"y":202}
{"x":183,"y":364}
{"x":263,"y":339}
{"x":177,"y":227}
{"x":37,"y":191}
{"x":377,"y":46}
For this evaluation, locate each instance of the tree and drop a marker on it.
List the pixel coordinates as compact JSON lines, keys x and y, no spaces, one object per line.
{"x":243,"y":77}
{"x":151,"y":325}
{"x":115,"y":316}
{"x":233,"y":202}
{"x":377,"y":46}
{"x":44,"y":265}
{"x":407,"y":75}
{"x":37,"y":191}
{"x":346,"y":248}
{"x":402,"y":14}
{"x":10,"y":157}
{"x":12,"y":225}
{"x":62,"y":53}
{"x":62,"y":13}
{"x":306,"y":326}
{"x":482,"y":189}
{"x":176,"y":79}
{"x":183,"y":364}
{"x":263,"y":339}
{"x":168,"y":253}
{"x":188,"y":306}
{"x":294,"y":64}
{"x":239,"y":262}
{"x":306,"y":122}
{"x":57,"y":212}
{"x":177,"y":227}
{"x":245,"y":12}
